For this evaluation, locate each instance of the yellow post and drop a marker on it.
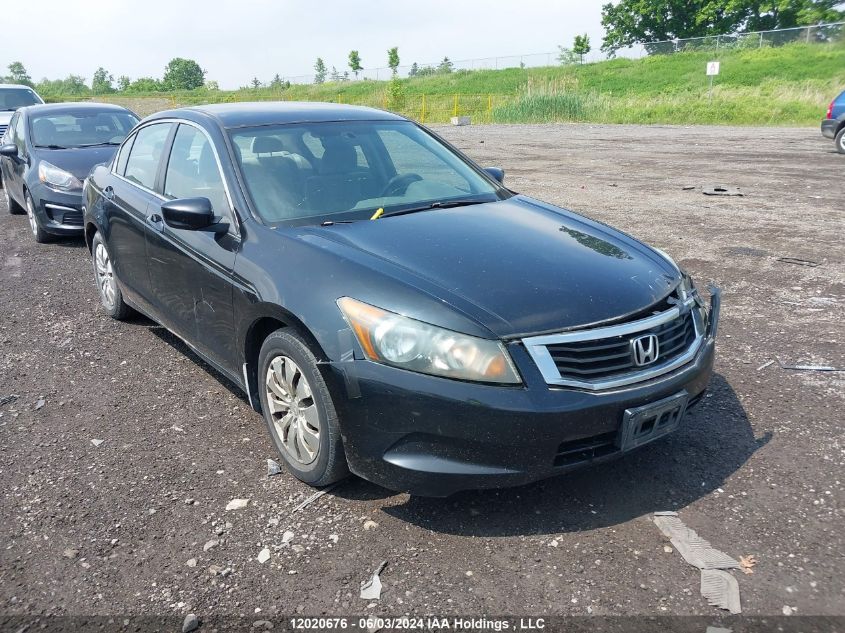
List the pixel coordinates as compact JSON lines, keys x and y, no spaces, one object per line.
{"x":456,"y":106}
{"x":422,"y":115}
{"x":489,"y":107}
{"x":339,"y":100}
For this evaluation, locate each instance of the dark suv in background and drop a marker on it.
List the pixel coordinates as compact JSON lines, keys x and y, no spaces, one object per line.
{"x":833,"y":125}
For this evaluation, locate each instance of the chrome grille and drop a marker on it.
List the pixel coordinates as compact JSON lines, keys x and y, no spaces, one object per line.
{"x":3,"y":130}
{"x":602,"y":358}
{"x":605,"y":357}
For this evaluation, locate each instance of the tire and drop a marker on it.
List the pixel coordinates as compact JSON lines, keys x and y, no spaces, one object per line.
{"x":41,"y":236}
{"x":285,"y":360}
{"x":110,"y":296}
{"x":840,"y":141}
{"x":13,"y":207}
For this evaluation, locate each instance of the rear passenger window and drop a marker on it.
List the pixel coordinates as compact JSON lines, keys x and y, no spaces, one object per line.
{"x":123,"y":156}
{"x":145,"y":155}
{"x":192,"y":170}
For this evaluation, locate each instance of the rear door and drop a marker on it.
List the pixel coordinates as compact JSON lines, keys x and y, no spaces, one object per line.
{"x":191,"y":271}
{"x":126,"y":201}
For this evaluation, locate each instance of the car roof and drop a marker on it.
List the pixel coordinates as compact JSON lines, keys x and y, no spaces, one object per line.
{"x":248,"y":114}
{"x":81,"y":106}
{"x":24,"y":86}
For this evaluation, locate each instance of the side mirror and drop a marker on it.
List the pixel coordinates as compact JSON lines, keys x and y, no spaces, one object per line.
{"x":497,"y":173}
{"x":188,"y":213}
{"x":10,"y":150}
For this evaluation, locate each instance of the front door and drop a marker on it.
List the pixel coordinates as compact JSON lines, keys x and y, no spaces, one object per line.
{"x":191,"y":271}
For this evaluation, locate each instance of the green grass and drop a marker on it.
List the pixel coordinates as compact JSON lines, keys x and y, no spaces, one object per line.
{"x":787,"y":85}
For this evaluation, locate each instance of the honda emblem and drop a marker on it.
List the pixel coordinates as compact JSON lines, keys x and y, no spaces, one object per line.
{"x":645,"y":349}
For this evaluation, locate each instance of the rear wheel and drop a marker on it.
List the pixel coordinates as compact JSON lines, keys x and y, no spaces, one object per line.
{"x":41,"y":236}
{"x":298,"y":410}
{"x":840,"y":141}
{"x":110,"y":295}
{"x":13,"y":207}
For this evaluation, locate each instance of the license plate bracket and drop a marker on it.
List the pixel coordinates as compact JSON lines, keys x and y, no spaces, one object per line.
{"x":641,"y":425}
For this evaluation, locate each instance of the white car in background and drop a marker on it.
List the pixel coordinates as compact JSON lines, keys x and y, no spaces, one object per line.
{"x":12,"y":97}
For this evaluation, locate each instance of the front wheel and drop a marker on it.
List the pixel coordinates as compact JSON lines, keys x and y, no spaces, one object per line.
{"x":41,"y":236}
{"x":110,"y":294}
{"x":298,"y":410}
{"x":840,"y":141}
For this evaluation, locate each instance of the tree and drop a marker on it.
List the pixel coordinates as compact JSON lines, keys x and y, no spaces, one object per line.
{"x":335,"y":76}
{"x":146,"y":84}
{"x":255,"y":83}
{"x":414,"y":70}
{"x":642,"y":21}
{"x":581,"y":46}
{"x":764,"y":15}
{"x":276,"y":82}
{"x":123,"y":83}
{"x":445,"y":67}
{"x":632,"y":21}
{"x":355,"y":63}
{"x":319,"y":71}
{"x":393,"y":59}
{"x":101,"y":83}
{"x":73,"y":85}
{"x":18,"y":74}
{"x":212,"y":85}
{"x":183,"y":74}
{"x":566,"y":56}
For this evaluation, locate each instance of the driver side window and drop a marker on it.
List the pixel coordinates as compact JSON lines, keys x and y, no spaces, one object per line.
{"x":20,"y":137}
{"x":192,"y":171}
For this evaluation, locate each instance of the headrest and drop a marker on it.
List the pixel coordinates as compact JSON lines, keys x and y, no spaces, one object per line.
{"x":44,"y":129}
{"x":267,"y":145}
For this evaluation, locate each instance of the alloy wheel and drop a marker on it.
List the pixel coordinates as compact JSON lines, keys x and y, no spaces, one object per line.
{"x":105,"y":275}
{"x":296,"y":420}
{"x":30,"y":212}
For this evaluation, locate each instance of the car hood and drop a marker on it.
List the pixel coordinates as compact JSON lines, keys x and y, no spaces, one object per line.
{"x":79,"y":161}
{"x":517,"y":266}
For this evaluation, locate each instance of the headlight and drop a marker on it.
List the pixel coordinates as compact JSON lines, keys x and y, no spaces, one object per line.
{"x":57,"y":178}
{"x":396,"y":340}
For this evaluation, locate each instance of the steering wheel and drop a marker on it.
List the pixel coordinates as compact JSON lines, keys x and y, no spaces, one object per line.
{"x":398,"y":185}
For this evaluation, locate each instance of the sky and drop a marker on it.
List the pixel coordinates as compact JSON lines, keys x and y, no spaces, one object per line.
{"x":235,"y":41}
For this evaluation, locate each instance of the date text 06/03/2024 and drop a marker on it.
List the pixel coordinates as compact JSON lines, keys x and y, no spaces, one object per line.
{"x":430,"y":623}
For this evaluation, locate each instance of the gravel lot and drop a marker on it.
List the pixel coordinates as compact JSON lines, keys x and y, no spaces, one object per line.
{"x":138,"y":524}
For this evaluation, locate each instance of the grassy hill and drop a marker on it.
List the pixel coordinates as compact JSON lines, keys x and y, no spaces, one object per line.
{"x":788,"y":85}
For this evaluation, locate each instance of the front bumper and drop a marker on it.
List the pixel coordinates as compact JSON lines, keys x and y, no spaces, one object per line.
{"x":58,"y":212}
{"x":433,"y":437}
{"x":829,"y":127}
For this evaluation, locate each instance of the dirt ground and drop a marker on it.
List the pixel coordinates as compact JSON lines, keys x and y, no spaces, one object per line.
{"x":138,"y":524}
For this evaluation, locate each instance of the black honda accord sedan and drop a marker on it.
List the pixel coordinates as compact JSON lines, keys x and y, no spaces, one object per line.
{"x":46,"y":153}
{"x":390,"y":307}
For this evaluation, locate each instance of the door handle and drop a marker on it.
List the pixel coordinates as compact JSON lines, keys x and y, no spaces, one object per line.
{"x":108,"y":193}
{"x":156,"y":221}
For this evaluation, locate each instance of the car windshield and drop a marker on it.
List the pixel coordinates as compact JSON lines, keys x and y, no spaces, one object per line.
{"x":308,"y":173}
{"x":14,"y":98}
{"x":81,"y":128}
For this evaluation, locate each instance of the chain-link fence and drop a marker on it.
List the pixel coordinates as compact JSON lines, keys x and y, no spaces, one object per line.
{"x":818,"y":34}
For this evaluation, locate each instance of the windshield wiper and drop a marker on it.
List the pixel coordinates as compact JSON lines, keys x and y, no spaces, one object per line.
{"x":440,"y":204}
{"x":98,"y":144}
{"x":51,"y":146}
